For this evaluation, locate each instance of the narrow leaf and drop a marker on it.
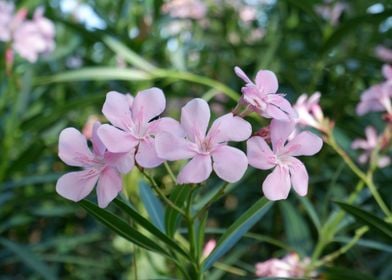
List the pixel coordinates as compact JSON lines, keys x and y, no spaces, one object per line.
{"x":172,"y":217}
{"x":367,"y":218}
{"x":148,"y":226}
{"x":237,"y":230}
{"x":153,"y":206}
{"x":120,"y":227}
{"x":29,"y":258}
{"x":96,"y":74}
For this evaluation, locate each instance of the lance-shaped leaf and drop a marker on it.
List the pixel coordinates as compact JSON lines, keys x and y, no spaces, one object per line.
{"x":237,"y":230}
{"x":120,"y":227}
{"x":369,"y":219}
{"x":172,"y":217}
{"x":153,"y":206}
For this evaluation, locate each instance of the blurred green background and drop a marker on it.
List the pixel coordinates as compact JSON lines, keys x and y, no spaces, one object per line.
{"x":46,"y":236}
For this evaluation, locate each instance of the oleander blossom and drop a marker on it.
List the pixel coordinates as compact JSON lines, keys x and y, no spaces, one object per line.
{"x":262,"y":96}
{"x":384,"y":53}
{"x":288,"y":170}
{"x":99,"y":167}
{"x":6,"y":18}
{"x":188,"y":9}
{"x":289,"y":266}
{"x":368,"y":145}
{"x":309,"y":111}
{"x":331,"y":11}
{"x":207,"y":151}
{"x":135,"y":122}
{"x":208,"y":248}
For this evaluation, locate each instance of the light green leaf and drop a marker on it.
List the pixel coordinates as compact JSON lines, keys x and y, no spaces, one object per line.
{"x":172,"y":217}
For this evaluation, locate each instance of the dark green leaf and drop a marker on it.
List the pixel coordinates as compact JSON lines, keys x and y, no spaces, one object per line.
{"x":369,"y":219}
{"x":237,"y":230}
{"x":172,"y":217}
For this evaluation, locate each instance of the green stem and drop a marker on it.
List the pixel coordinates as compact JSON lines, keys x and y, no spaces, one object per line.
{"x":218,"y":195}
{"x":161,"y":194}
{"x":170,"y":172}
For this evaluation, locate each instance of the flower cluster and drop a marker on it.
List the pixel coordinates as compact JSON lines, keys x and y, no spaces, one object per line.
{"x":28,"y":38}
{"x":138,"y":136}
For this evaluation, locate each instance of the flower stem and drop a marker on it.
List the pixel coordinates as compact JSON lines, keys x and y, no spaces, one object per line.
{"x":170,"y":172}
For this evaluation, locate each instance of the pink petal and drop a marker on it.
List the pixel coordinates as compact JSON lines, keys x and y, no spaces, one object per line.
{"x":148,"y":104}
{"x":195,"y":116}
{"x":278,"y":101}
{"x":77,"y":185}
{"x":117,"y":110}
{"x":146,"y":155}
{"x":116,"y":140}
{"x":123,"y":162}
{"x":299,"y":176}
{"x":230,"y":163}
{"x":371,"y":136}
{"x":304,"y":144}
{"x":98,"y":147}
{"x":238,"y":71}
{"x":171,"y":147}
{"x":229,"y":128}
{"x":383,"y":161}
{"x":166,"y":125}
{"x":259,"y":153}
{"x":277,"y":184}
{"x":274,"y":112}
{"x":73,"y":149}
{"x":266,"y":81}
{"x":109,"y":185}
{"x":387,"y":71}
{"x":196,"y":171}
{"x":280,"y":131}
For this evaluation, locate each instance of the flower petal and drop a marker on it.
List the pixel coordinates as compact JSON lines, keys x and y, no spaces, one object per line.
{"x":259,"y":153}
{"x":196,"y":170}
{"x":117,"y":110}
{"x":299,"y":176}
{"x":116,"y":140}
{"x":277,"y":101}
{"x":73,"y":149}
{"x":98,"y":147}
{"x":241,"y":74}
{"x":229,"y":128}
{"x":123,"y":162}
{"x":195,"y":116}
{"x":277,"y":184}
{"x":304,"y":144}
{"x":166,"y":125}
{"x":148,"y":104}
{"x":280,"y":131}
{"x":109,"y":185}
{"x":230,"y":163}
{"x":266,"y":81}
{"x":387,"y":71}
{"x":171,"y":147}
{"x":146,"y":155}
{"x":77,"y":185}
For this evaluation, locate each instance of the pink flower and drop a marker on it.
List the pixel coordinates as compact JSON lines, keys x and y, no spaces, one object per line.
{"x":331,"y":11}
{"x":6,"y":17}
{"x":384,"y":53}
{"x":309,"y":111}
{"x":34,"y":37}
{"x":262,"y":98}
{"x":192,"y":9}
{"x":88,"y":127}
{"x":289,"y":266}
{"x":134,"y":125}
{"x":376,"y":99}
{"x":99,"y":166}
{"x":209,"y":247}
{"x":207,"y":150}
{"x":387,"y":72}
{"x":288,"y":170}
{"x":368,"y":145}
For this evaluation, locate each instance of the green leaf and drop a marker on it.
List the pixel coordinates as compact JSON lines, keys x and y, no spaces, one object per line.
{"x":172,"y":217}
{"x":237,"y":230}
{"x":153,"y":205}
{"x":29,"y":258}
{"x":297,"y":231}
{"x":367,"y":218}
{"x":339,"y":273}
{"x":352,"y":25}
{"x":366,"y":243}
{"x":96,"y":74}
{"x":148,"y":226}
{"x":120,"y":227}
{"x":128,"y":54}
{"x":311,"y":212}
